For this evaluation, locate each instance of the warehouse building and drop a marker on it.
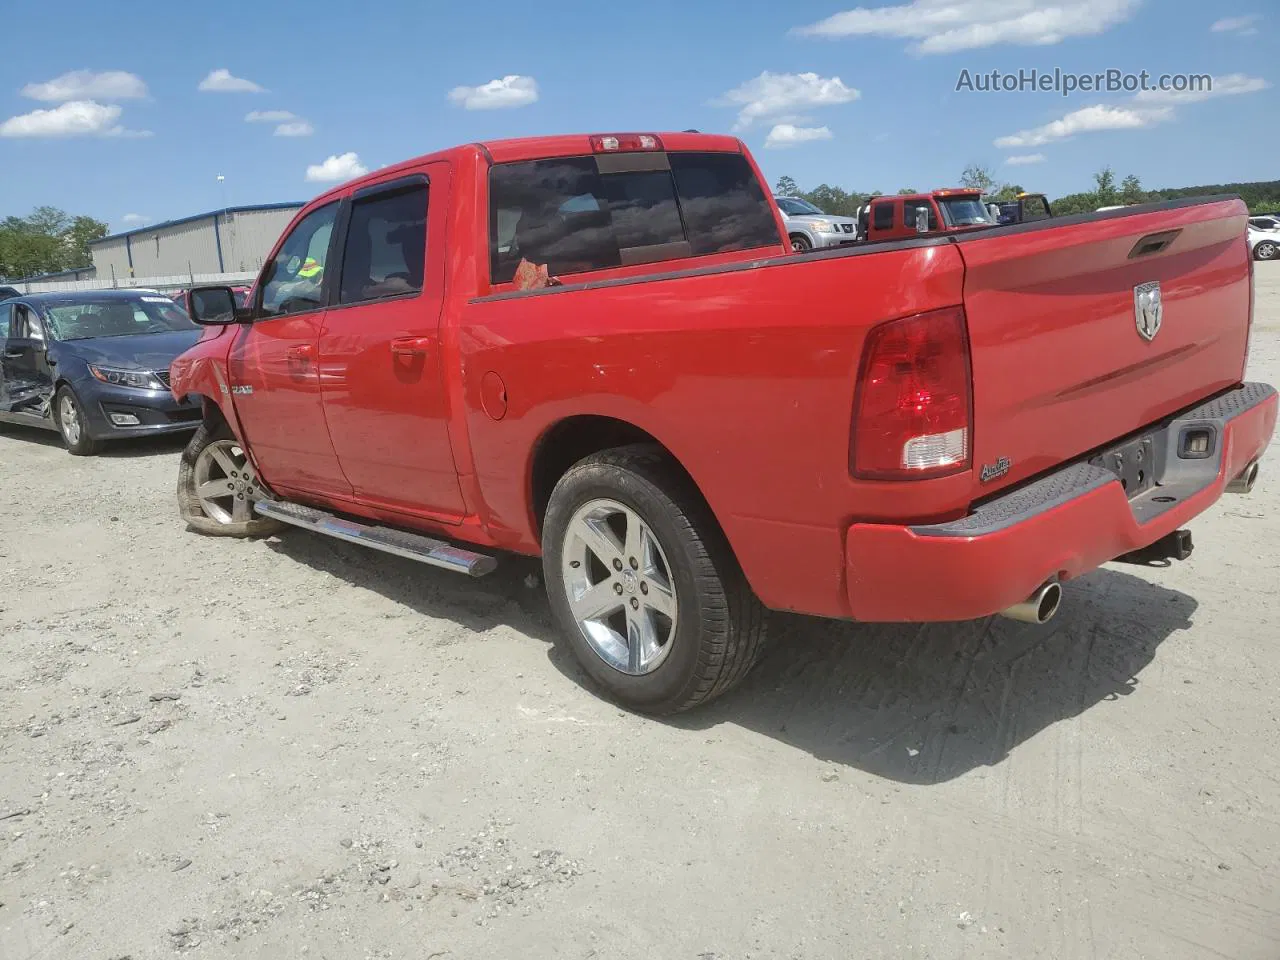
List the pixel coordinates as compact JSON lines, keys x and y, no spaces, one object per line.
{"x":234,"y":240}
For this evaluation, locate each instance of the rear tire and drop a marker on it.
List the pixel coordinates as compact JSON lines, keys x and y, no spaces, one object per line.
{"x":680,"y":596}
{"x":73,"y":425}
{"x":800,"y":243}
{"x":214,"y":458}
{"x":1266,"y":250}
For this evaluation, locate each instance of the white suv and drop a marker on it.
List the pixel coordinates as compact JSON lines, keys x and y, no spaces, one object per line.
{"x":1264,"y":237}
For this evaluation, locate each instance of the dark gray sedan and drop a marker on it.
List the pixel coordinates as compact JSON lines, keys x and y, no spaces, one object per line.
{"x":94,"y":365}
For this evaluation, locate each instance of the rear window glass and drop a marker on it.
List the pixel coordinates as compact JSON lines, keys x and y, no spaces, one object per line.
{"x":883,"y":213}
{"x":568,"y":215}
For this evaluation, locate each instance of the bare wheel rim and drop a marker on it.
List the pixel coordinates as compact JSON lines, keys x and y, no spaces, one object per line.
{"x":1266,"y":251}
{"x":225,"y":482}
{"x":619,"y":586}
{"x":69,"y":419}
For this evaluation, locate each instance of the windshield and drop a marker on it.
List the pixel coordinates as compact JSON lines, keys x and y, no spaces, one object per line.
{"x":965,"y":211}
{"x":86,"y":319}
{"x":798,"y":208}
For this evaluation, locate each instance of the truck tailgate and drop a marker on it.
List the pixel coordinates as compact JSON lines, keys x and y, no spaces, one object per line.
{"x":1060,"y":365}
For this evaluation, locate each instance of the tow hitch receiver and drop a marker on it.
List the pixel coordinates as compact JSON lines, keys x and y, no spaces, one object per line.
{"x":1173,"y":546}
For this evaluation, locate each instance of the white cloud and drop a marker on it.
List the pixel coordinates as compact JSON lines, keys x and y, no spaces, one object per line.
{"x":269,"y":116}
{"x":1086,"y":120}
{"x":337,"y":168}
{"x":1229,"y":85}
{"x":221,"y":81}
{"x":777,"y":94}
{"x":1241,"y":25}
{"x":789,"y":135}
{"x":944,"y":26}
{"x":295,"y":128}
{"x":134,"y":219}
{"x":87,"y":85}
{"x":1025,"y":159}
{"x":79,"y":118}
{"x":510,"y":91}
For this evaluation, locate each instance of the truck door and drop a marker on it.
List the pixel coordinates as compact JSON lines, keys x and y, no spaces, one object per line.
{"x":383,"y":387}
{"x":27,"y":376}
{"x":274,"y":368}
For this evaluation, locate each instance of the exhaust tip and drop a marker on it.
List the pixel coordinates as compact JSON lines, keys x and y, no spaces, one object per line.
{"x":1050,"y":600}
{"x":1245,"y":481}
{"x":1040,"y":607}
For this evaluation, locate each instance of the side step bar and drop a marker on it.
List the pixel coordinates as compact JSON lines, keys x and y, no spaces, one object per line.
{"x":412,"y":546}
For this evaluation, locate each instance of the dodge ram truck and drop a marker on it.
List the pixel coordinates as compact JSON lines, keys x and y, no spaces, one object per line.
{"x":600,"y":351}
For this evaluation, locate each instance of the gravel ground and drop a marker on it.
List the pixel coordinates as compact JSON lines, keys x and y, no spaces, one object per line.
{"x":295,"y":747}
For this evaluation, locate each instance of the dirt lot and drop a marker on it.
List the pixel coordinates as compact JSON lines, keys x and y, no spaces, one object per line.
{"x":298,"y":748}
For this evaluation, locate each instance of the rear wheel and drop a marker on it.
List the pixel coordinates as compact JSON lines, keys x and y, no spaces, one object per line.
{"x":218,"y":486}
{"x":1266,"y":250}
{"x":644,"y":584}
{"x":73,"y":425}
{"x":800,"y":243}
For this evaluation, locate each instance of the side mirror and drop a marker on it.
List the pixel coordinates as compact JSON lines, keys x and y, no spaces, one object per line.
{"x":922,"y":219}
{"x":214,"y":306}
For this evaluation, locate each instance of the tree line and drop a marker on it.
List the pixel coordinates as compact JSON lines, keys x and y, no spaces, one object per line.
{"x":1261,"y":196}
{"x":46,"y":240}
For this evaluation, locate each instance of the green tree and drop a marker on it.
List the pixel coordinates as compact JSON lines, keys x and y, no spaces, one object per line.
{"x":907,"y":191}
{"x":1008,"y":191}
{"x":1131,"y":190}
{"x":1105,"y":188}
{"x":78,"y":236}
{"x":45,"y":241}
{"x":786,"y":187}
{"x":977,"y":177}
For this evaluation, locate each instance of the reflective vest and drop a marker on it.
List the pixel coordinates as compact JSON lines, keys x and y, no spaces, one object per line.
{"x":310,"y":269}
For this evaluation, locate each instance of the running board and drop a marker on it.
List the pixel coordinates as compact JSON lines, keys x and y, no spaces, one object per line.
{"x":412,"y":546}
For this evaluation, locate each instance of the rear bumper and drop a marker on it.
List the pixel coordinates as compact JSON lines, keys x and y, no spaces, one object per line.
{"x":1058,"y":527}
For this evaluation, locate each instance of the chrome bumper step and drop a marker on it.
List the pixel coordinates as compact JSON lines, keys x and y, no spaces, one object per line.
{"x":401,"y":543}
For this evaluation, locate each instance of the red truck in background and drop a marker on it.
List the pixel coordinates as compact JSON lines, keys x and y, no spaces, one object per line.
{"x":600,"y":351}
{"x":942,"y":211}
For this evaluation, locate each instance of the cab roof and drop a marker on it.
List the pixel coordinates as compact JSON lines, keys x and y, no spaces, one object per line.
{"x":541,"y":148}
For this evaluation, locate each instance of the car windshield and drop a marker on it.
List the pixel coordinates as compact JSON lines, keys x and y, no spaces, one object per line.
{"x":85,"y":319}
{"x":965,"y":211}
{"x":798,"y":208}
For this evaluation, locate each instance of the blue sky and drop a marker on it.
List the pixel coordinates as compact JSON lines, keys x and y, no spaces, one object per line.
{"x":102,"y":112}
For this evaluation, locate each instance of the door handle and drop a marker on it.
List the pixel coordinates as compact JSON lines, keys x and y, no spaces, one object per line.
{"x":412,"y":346}
{"x":306,"y":351}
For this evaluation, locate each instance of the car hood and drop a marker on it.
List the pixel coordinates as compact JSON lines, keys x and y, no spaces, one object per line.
{"x":811,"y":217}
{"x":147,"y":351}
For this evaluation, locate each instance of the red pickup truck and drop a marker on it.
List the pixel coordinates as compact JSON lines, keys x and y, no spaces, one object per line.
{"x":599,"y":350}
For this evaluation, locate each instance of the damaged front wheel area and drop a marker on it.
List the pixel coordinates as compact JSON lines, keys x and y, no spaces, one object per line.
{"x":218,"y":486}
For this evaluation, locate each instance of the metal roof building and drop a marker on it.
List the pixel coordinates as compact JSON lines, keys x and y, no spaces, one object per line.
{"x":233,"y":240}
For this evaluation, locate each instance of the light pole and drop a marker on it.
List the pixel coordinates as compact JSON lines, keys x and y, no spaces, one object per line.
{"x":222,"y":182}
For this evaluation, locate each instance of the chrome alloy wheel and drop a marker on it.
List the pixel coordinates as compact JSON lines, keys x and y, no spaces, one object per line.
{"x":226,"y":483}
{"x":619,"y":587}
{"x":69,"y":419}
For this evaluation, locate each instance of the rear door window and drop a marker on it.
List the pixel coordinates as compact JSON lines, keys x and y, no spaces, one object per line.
{"x":5,"y":311}
{"x":574,"y":217}
{"x":883,"y":215}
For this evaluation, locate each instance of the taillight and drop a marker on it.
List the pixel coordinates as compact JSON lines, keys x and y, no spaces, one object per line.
{"x":913,"y":402}
{"x":625,"y":142}
{"x":1248,"y":334}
